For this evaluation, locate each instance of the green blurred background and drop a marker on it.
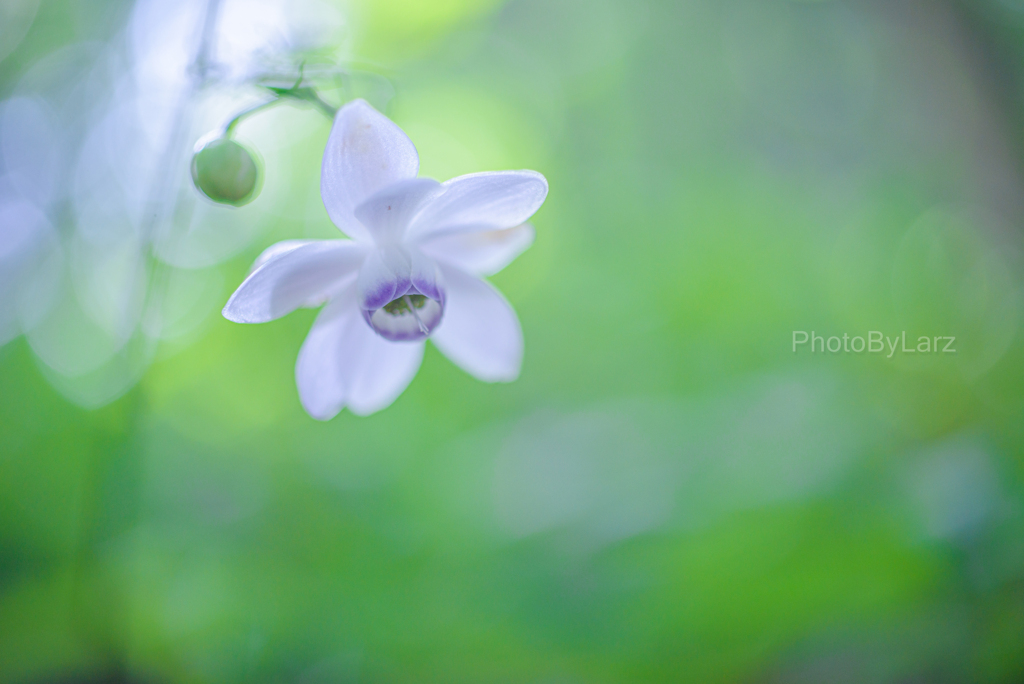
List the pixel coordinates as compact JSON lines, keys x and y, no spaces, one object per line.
{"x":669,"y":493}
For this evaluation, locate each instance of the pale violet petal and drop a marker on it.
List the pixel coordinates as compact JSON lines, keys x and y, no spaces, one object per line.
{"x":387,"y":212}
{"x":479,"y":332}
{"x":425,"y":274}
{"x":275,"y":250}
{"x":392,"y":271}
{"x":344,"y":363}
{"x":319,"y":375}
{"x":388,"y":275}
{"x":386,"y":370}
{"x":302,"y":275}
{"x":365,"y":153}
{"x":481,"y":253}
{"x":481,"y":201}
{"x":383,"y":276}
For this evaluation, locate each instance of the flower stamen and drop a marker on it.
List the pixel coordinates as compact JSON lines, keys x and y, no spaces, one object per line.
{"x":412,"y":308}
{"x":409,"y":317}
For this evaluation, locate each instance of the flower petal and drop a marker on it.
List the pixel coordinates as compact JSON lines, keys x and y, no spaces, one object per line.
{"x":344,"y":363}
{"x":480,"y":332}
{"x":386,"y":370}
{"x":319,"y":375}
{"x":276,"y":250}
{"x":481,"y":201}
{"x":482,"y":253}
{"x":425,"y":274}
{"x":383,"y":276}
{"x":303,"y":275}
{"x":365,"y":152}
{"x":387,"y":212}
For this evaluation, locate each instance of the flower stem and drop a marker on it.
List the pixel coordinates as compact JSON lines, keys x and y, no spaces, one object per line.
{"x":304,"y":94}
{"x":230,"y":128}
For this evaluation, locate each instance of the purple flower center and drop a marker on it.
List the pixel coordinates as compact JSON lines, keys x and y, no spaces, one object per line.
{"x":409,"y":318}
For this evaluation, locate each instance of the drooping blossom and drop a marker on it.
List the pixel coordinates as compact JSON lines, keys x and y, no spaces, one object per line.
{"x":413,"y":269}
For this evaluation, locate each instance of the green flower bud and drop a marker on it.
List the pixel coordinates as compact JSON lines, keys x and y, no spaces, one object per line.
{"x":226,"y":172}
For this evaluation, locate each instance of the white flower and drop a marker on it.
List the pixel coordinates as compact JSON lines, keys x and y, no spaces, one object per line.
{"x":412,"y":270}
